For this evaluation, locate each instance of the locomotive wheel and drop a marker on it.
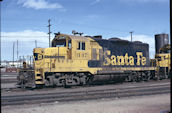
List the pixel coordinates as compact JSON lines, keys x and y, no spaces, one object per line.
{"x":129,"y":78}
{"x":64,"y":84}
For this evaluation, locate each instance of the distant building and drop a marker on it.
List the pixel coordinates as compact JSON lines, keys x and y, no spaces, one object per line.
{"x":16,"y":64}
{"x":11,"y":63}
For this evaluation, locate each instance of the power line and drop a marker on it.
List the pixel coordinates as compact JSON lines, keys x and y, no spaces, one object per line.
{"x":22,"y":36}
{"x":31,"y":41}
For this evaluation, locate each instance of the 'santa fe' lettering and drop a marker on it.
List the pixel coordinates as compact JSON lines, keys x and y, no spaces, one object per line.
{"x":125,"y":60}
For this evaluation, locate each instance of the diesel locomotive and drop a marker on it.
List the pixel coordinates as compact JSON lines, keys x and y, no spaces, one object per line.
{"x":79,"y":60}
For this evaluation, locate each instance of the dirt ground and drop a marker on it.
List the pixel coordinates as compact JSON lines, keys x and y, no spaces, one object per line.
{"x":141,"y":104}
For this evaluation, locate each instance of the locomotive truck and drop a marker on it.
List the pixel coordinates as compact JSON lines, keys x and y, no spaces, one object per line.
{"x":79,"y":60}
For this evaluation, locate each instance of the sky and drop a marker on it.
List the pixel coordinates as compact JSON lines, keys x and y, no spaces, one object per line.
{"x":27,"y":21}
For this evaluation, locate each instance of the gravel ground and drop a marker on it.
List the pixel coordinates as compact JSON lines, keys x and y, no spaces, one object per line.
{"x":141,"y":104}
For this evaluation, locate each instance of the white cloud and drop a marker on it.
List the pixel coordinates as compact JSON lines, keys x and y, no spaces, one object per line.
{"x":94,"y":2}
{"x":146,"y":39}
{"x":26,"y":42}
{"x":40,"y":4}
{"x":26,"y":35}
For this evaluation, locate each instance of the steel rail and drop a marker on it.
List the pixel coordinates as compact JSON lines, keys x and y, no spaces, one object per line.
{"x":85,"y":95}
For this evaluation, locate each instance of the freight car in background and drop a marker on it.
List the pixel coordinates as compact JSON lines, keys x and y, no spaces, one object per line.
{"x":79,"y":60}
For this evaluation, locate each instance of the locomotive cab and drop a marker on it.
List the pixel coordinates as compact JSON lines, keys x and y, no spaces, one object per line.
{"x":65,"y":62}
{"x":63,"y":41}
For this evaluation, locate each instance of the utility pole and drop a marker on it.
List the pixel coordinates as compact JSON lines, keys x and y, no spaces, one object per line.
{"x":13,"y":52}
{"x":17,"y":50}
{"x":35,"y":44}
{"x":30,"y":61}
{"x":131,"y":35}
{"x":23,"y":58}
{"x":49,"y":30}
{"x":0,"y":35}
{"x":20,"y":60}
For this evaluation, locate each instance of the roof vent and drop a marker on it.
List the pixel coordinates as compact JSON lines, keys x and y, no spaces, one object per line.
{"x":74,"y":33}
{"x":57,"y":33}
{"x":98,"y":36}
{"x":115,"y":38}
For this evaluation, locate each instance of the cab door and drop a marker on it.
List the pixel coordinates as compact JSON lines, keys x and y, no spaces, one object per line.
{"x":69,"y":48}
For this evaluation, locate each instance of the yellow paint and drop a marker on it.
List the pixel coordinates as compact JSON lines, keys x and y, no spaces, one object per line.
{"x":163,"y":60}
{"x":126,"y":59}
{"x":113,"y":60}
{"x":120,"y":60}
{"x":131,"y":60}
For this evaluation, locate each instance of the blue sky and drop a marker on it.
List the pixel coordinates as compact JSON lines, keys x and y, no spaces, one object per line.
{"x":27,"y":20}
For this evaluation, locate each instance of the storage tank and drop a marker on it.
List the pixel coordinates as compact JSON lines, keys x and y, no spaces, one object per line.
{"x":160,"y":41}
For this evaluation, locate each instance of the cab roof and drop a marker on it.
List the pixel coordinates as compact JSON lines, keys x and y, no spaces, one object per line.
{"x":72,"y":37}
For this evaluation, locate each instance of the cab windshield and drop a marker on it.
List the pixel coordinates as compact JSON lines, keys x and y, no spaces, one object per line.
{"x":62,"y":41}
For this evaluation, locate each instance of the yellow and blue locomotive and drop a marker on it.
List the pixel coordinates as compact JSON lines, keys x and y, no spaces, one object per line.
{"x":79,"y":60}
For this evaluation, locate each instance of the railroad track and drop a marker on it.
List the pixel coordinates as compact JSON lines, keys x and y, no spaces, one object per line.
{"x":9,"y":80}
{"x":9,"y":77}
{"x":86,"y":94}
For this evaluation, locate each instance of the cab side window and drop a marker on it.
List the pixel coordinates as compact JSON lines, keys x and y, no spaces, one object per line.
{"x":81,"y":46}
{"x":69,"y":44}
